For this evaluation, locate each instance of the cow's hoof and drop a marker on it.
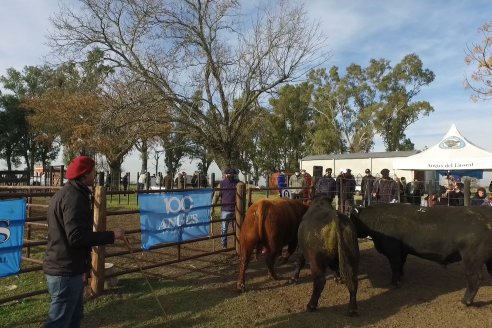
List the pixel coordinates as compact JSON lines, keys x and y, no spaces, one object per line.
{"x":467,"y":302}
{"x":310,"y":308}
{"x":241,"y":288}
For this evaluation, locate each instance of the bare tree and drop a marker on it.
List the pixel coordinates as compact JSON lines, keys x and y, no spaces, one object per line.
{"x":480,"y":54}
{"x":191,"y":49}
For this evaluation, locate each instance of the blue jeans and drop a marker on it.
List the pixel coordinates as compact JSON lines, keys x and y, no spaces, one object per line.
{"x":67,"y":301}
{"x":225,"y":224}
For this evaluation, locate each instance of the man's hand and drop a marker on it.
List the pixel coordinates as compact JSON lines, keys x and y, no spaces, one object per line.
{"x":119,"y":233}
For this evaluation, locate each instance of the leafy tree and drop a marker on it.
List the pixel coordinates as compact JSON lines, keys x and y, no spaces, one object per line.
{"x":175,"y":149}
{"x":290,"y":123}
{"x":200,"y":153}
{"x":480,"y":55}
{"x":339,"y":104}
{"x":396,"y":109}
{"x":376,"y":99}
{"x":12,"y":127}
{"x":34,"y":143}
{"x":180,"y":47}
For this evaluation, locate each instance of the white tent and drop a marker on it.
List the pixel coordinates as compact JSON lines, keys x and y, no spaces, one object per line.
{"x":453,"y":152}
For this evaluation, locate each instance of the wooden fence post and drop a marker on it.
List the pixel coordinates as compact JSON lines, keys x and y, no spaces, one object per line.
{"x":240,"y":211}
{"x":467,"y":192}
{"x":98,"y":252}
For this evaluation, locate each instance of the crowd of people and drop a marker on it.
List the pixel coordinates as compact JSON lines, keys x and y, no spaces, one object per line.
{"x":375,"y":190}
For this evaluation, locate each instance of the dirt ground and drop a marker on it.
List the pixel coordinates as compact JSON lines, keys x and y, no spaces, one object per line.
{"x":429,"y":296}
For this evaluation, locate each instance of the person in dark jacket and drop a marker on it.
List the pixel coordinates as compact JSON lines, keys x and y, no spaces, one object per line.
{"x":345,"y":184}
{"x":168,"y":181}
{"x":385,"y":189}
{"x":326,"y":185}
{"x":70,"y":238}
{"x":479,"y":197}
{"x":227,"y":196}
{"x":366,"y":187}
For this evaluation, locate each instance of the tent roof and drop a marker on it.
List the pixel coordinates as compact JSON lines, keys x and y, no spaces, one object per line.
{"x":453,"y":152}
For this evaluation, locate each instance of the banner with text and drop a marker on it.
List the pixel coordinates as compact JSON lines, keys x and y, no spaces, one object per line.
{"x":12,"y":218}
{"x":174,"y":217}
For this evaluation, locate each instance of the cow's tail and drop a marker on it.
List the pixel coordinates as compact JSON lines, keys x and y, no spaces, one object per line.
{"x":348,"y":251}
{"x":261,"y":217}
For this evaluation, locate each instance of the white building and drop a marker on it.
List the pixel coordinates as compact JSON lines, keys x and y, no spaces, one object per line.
{"x":359,"y":162}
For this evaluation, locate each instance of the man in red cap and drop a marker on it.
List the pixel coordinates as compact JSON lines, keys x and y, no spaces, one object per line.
{"x":70,"y":238}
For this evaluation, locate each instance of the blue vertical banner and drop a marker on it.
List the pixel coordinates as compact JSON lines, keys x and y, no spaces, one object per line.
{"x":174,"y":217}
{"x":12,"y":219}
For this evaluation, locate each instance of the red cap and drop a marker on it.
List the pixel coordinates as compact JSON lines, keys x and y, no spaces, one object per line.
{"x":79,"y":166}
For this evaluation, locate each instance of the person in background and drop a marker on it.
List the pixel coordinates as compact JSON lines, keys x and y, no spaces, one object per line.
{"x":479,"y":197}
{"x":227,"y":197}
{"x":308,"y":183}
{"x":345,"y":184}
{"x":124,"y":182}
{"x":415,"y":192}
{"x":142,"y":178}
{"x":158,"y":180}
{"x":449,"y":184}
{"x":385,"y":189}
{"x":456,"y":197}
{"x":487,"y":201}
{"x":203,"y":181}
{"x":108,"y":181}
{"x":67,"y":260}
{"x":296,"y":181}
{"x":366,"y":187}
{"x":326,"y":185}
{"x":281,"y":183}
{"x":181,"y":180}
{"x":168,"y":181}
{"x":402,"y":186}
{"x":194,"y":180}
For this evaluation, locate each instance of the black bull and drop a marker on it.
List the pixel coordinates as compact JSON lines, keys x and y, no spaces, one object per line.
{"x":440,"y":234}
{"x":328,"y":239}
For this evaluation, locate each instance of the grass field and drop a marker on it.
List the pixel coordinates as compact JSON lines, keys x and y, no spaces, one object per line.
{"x":129,"y":305}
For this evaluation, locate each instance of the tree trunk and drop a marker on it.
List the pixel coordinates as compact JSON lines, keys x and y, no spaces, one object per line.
{"x":144,"y":154}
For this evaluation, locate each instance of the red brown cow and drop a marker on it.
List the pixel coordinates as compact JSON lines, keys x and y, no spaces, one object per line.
{"x":270,"y":224}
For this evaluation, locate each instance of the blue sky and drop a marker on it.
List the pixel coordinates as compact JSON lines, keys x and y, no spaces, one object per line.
{"x":438,"y":31}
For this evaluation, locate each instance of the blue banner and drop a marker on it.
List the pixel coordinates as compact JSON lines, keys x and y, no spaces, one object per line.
{"x":174,"y":217}
{"x":457,"y":174}
{"x":12,"y":218}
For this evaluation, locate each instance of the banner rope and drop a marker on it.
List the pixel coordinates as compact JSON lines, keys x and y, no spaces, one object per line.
{"x":125,"y":239}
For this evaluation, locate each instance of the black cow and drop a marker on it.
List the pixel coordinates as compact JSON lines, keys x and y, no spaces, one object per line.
{"x":328,"y":239}
{"x":440,"y":234}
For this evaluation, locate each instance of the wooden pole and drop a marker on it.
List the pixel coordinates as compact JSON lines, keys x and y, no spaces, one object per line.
{"x":467,"y":192}
{"x":240,"y":211}
{"x":98,"y":252}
